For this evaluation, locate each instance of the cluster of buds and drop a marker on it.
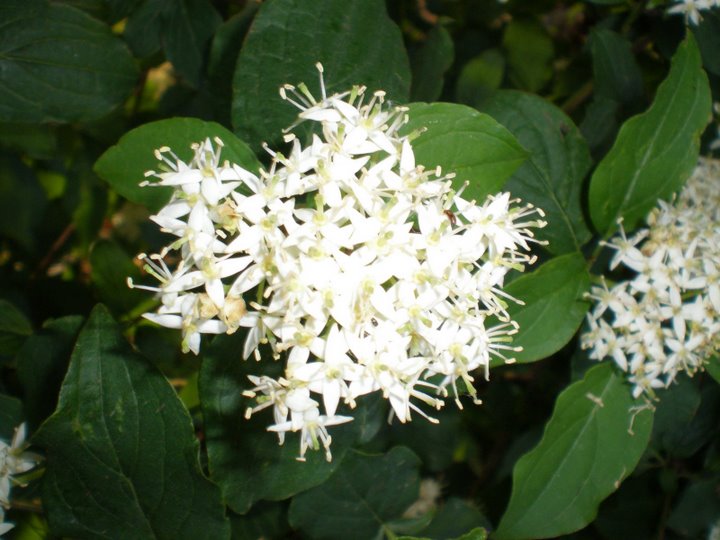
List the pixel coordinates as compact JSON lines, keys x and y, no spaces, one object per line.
{"x":666,"y":319}
{"x":360,"y":268}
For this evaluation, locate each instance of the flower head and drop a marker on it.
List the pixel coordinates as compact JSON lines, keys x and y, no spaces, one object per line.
{"x":365,"y":270}
{"x":665,"y":319}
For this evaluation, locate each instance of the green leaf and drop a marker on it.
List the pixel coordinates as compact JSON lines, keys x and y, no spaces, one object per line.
{"x":265,"y":520}
{"x":14,"y":328}
{"x":245,"y":460}
{"x":10,"y":416}
{"x":707,"y":34}
{"x":183,"y":28}
{"x":22,"y":202}
{"x":592,"y":442}
{"x":58,"y":64}
{"x":122,"y":459}
{"x":478,"y":533}
{"x":529,"y":54}
{"x":675,"y":409}
{"x":632,"y":511}
{"x":38,"y":141}
{"x":698,"y":508}
{"x":360,"y":498}
{"x":111,"y":266}
{"x":553,"y":307}
{"x":123,"y":166}
{"x":466,"y":142}
{"x":435,"y":444}
{"x":354,"y":39}
{"x":687,"y":417}
{"x":655,"y":151}
{"x":429,"y":64}
{"x":552,"y":177}
{"x":41,"y":365}
{"x":454,"y":518}
{"x":226,"y":45}
{"x":187,"y":29}
{"x":144,"y":28}
{"x":480,"y":78}
{"x":713,"y":367}
{"x":90,"y":197}
{"x":599,"y":125}
{"x":616,"y":74}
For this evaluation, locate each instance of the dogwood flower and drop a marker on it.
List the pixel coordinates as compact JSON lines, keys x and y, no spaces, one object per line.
{"x":665,"y":319}
{"x":14,"y":460}
{"x":362,"y":269}
{"x":692,"y":9}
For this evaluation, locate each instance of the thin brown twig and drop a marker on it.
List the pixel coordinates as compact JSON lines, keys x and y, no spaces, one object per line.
{"x":56,"y":246}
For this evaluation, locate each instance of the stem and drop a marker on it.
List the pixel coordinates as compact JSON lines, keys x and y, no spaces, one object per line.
{"x":578,"y":98}
{"x":27,"y":506}
{"x":59,"y":243}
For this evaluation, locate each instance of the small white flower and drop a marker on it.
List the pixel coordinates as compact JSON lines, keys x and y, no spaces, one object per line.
{"x":14,"y":460}
{"x":691,"y":9}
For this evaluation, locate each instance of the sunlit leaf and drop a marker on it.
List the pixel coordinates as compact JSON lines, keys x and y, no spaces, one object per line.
{"x":466,"y":142}
{"x":593,"y":440}
{"x":656,"y":151}
{"x":124,"y":165}
{"x":553,"y":306}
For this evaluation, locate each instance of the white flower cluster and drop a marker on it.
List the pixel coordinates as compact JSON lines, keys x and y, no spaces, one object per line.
{"x":666,"y":319}
{"x":368,"y":272}
{"x":692,"y":9}
{"x":13,"y":460}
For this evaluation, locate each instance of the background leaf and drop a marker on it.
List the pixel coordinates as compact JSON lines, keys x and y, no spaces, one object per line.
{"x":360,"y":498}
{"x":454,"y":518}
{"x":553,"y":175}
{"x":707,"y":34}
{"x":123,"y":166}
{"x":183,"y":28}
{"x":111,"y":266}
{"x":616,"y":74}
{"x":697,"y":509}
{"x":466,"y":142}
{"x":354,"y":39}
{"x":14,"y":328}
{"x":656,"y":151}
{"x":10,"y":416}
{"x":42,"y":362}
{"x":22,"y":202}
{"x":686,"y":418}
{"x":187,"y":29}
{"x":122,"y":460}
{"x":587,"y":449}
{"x":529,"y":54}
{"x":480,"y":78}
{"x":554,"y":306}
{"x":58,"y":64}
{"x":429,"y":64}
{"x":245,"y":459}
